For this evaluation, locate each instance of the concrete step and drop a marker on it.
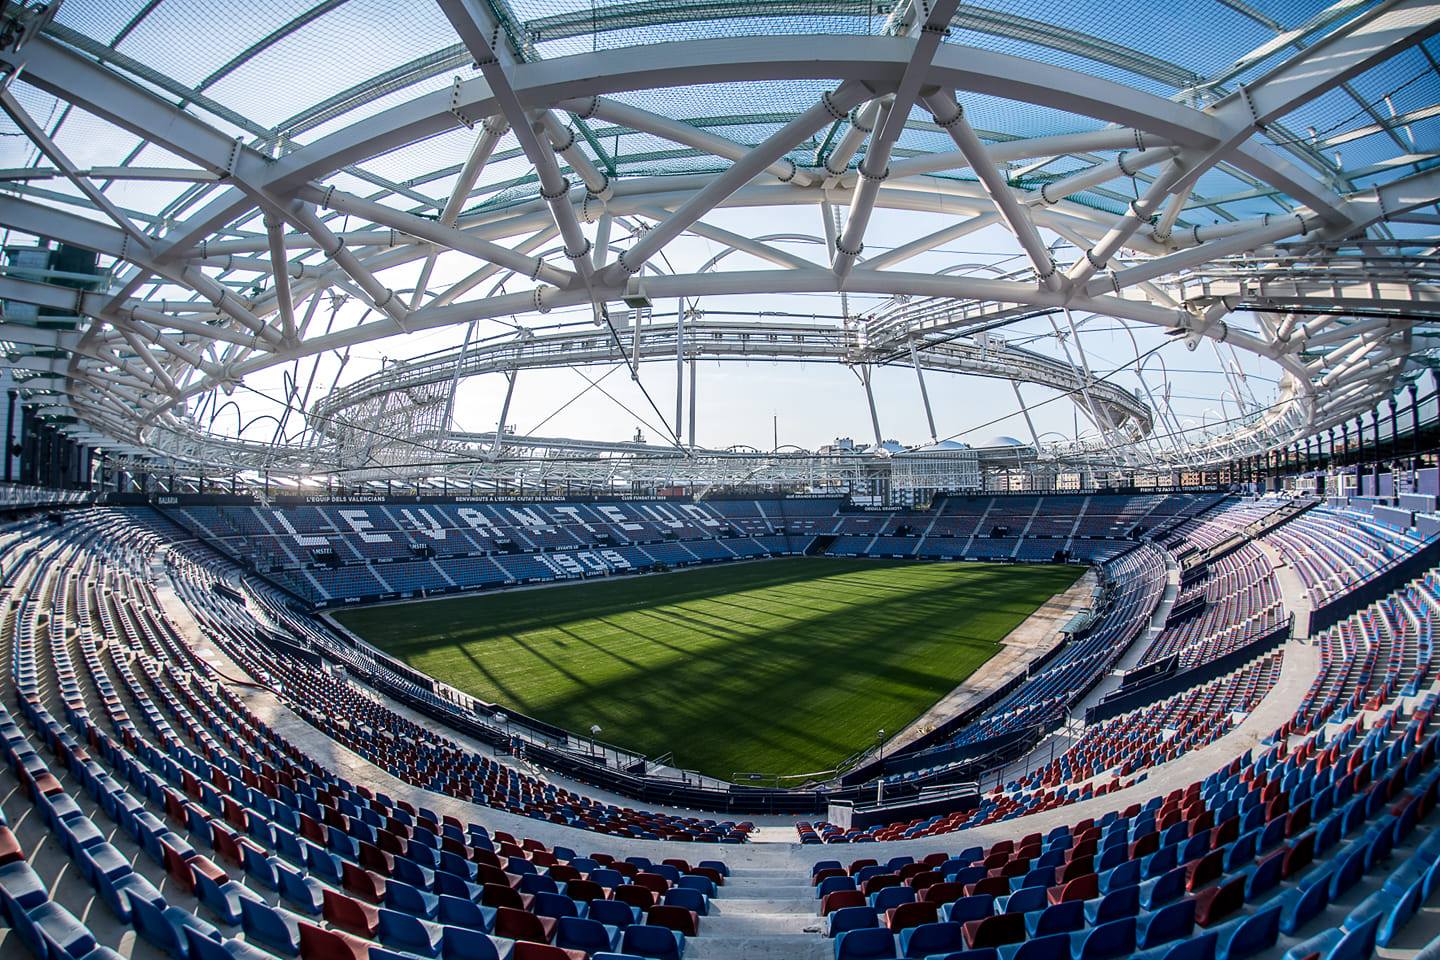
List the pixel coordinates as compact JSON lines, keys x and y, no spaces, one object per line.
{"x":750,"y":906}
{"x":769,"y":891}
{"x":752,"y":874}
{"x":792,"y":947}
{"x":761,"y":924}
{"x":764,"y":913}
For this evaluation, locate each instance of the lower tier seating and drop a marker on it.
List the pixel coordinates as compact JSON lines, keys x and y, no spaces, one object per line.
{"x":1318,"y":845}
{"x":144,"y":803}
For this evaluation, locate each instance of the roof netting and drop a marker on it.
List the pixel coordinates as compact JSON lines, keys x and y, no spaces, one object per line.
{"x":355,"y":120}
{"x":282,"y":73}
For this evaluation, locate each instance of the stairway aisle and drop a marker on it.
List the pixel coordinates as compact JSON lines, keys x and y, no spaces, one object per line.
{"x":762,"y":913}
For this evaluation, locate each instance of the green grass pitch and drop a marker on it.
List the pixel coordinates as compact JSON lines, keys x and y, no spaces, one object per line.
{"x":781,"y":666}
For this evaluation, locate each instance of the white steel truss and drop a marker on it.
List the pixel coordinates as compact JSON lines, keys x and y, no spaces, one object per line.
{"x":227,"y":282}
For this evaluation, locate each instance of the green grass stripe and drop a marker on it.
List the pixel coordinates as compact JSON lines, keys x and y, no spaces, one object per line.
{"x":782,"y":666}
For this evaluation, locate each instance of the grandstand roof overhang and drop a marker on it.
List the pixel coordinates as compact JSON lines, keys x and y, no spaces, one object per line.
{"x":221,"y":280}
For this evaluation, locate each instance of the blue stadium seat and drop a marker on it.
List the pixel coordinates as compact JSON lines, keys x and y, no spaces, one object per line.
{"x":1057,"y":918}
{"x":1250,"y":935}
{"x":407,"y":932}
{"x":202,"y":947}
{"x":63,"y":935}
{"x":1338,"y":944}
{"x":409,"y":899}
{"x":613,"y":913}
{"x":276,"y":929}
{"x":1171,"y":922}
{"x":931,"y":938}
{"x":577,"y":933}
{"x":460,"y":943}
{"x":851,"y":918}
{"x":657,"y":943}
{"x":872,"y":943}
{"x":453,"y":911}
{"x":689,"y":899}
{"x":222,"y":899}
{"x":1056,"y":946}
{"x":1113,"y":939}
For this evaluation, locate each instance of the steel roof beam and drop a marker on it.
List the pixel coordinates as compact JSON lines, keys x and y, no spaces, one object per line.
{"x":930,"y":241}
{"x":755,"y":248}
{"x":875,"y":168}
{"x":832,"y":106}
{"x":48,"y":147}
{"x":1139,"y":212}
{"x":564,"y":142}
{"x":1371,"y":38}
{"x":280,"y":273}
{"x":1124,"y":165}
{"x":635,"y":118}
{"x":75,"y":79}
{"x":696,"y":61}
{"x":481,"y":35}
{"x":435,"y":232}
{"x":877,"y":63}
{"x":951,"y":116}
{"x":465,"y":284}
{"x":1027,"y":148}
{"x":47,"y":222}
{"x":492,"y":129}
{"x":970,"y":17}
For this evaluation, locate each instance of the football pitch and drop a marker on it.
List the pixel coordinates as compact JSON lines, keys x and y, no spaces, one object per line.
{"x":782,"y":666}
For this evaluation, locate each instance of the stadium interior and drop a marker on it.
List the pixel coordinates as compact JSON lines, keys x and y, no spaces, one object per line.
{"x":367,"y":592}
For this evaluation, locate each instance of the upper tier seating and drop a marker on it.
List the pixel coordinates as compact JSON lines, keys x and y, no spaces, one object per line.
{"x":1241,"y":595}
{"x":333,"y":553}
{"x":1335,"y":551}
{"x":1383,"y":651}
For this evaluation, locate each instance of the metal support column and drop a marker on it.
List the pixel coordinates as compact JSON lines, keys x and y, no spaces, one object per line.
{"x":925,"y":394}
{"x":1414,"y":428}
{"x":1358,"y":457}
{"x":511,"y":376}
{"x":1394,"y":430}
{"x":10,"y":437}
{"x":41,"y":469}
{"x":1025,"y":410}
{"x":635,"y":348}
{"x":1375,"y":454}
{"x":693,"y":378}
{"x":870,"y":399}
{"x":679,"y":367}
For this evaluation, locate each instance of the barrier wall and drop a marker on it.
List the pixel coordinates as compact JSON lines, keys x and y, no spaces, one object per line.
{"x":851,"y":816}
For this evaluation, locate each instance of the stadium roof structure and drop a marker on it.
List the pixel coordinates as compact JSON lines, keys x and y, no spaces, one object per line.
{"x":1257,"y":173}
